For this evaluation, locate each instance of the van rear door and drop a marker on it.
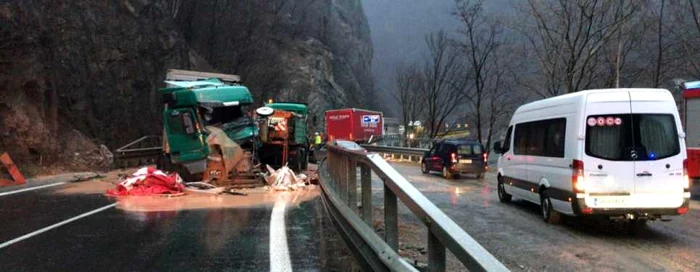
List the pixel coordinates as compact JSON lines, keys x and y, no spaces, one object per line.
{"x":659,"y":166}
{"x":608,"y":164}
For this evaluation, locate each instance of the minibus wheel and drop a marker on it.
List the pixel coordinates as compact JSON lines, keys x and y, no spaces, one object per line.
{"x":502,"y":195}
{"x":549,"y":215}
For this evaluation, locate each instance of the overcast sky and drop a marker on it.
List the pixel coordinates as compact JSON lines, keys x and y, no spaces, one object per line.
{"x":398,"y":33}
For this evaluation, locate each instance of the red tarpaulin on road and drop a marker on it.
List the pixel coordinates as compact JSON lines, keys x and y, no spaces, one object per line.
{"x":148,"y":181}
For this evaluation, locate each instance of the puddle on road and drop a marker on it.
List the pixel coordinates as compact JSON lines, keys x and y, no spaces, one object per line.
{"x":85,"y":187}
{"x":192,"y":200}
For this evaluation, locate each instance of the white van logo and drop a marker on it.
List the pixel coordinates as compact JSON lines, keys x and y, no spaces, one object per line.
{"x":592,"y":122}
{"x":601,"y":121}
{"x":609,"y":121}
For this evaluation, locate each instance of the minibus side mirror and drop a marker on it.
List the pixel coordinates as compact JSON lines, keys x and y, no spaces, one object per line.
{"x":497,"y":147}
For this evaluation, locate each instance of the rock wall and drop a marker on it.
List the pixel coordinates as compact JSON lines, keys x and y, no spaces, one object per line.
{"x":93,"y":67}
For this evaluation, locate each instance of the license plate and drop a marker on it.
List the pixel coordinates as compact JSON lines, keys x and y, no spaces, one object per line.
{"x":608,"y":201}
{"x":465,"y":161}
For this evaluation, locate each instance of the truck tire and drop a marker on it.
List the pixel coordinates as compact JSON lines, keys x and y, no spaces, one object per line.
{"x":304,"y":159}
{"x":164,"y":163}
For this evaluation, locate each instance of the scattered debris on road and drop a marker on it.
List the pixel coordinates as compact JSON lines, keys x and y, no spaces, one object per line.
{"x":284,"y":179}
{"x":203,"y":187}
{"x":81,"y":178}
{"x":149,"y":181}
{"x":12,"y":170}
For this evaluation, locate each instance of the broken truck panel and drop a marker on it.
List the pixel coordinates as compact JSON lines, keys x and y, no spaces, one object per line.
{"x":300,"y":126}
{"x":197,"y":104}
{"x":284,"y":138}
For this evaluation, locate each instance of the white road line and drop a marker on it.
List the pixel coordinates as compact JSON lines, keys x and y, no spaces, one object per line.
{"x":279,"y":251}
{"x":29,"y":235}
{"x":32,"y":188}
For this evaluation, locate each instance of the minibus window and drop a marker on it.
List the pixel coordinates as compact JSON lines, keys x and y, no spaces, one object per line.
{"x":506,"y":142}
{"x":631,"y":137}
{"x":658,"y":136}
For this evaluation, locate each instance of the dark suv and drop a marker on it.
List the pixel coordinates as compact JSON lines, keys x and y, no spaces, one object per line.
{"x":455,"y":157}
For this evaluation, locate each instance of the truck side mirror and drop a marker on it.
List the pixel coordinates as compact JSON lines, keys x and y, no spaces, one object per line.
{"x":264,"y":111}
{"x":497,"y":148}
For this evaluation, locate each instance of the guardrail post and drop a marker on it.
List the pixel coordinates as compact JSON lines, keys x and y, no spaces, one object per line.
{"x":436,"y":253}
{"x":343,"y":185}
{"x":333,"y":163}
{"x":352,"y":183}
{"x":391,"y":222}
{"x":366,"y":177}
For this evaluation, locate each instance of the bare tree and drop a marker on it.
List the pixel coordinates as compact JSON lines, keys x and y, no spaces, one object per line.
{"x":686,"y":33}
{"x":481,"y":41}
{"x":408,"y":94}
{"x":440,"y":71}
{"x":568,"y":37}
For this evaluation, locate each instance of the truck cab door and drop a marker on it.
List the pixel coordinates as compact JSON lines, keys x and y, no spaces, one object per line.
{"x":184,"y":135}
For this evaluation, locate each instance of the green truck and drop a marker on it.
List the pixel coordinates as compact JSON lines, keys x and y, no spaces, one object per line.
{"x":292,"y":145}
{"x":198,"y":104}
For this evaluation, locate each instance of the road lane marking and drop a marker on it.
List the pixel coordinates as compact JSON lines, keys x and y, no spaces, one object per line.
{"x":29,"y":235}
{"x":32,"y":188}
{"x":279,"y":251}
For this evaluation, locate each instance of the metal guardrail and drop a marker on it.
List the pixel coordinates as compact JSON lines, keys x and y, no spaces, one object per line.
{"x":396,"y":150}
{"x":144,"y":148}
{"x":339,"y":183}
{"x":401,"y":141}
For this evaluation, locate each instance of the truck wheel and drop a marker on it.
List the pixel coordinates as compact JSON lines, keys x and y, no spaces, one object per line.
{"x":549,"y":215}
{"x":304,"y":159}
{"x":164,"y":163}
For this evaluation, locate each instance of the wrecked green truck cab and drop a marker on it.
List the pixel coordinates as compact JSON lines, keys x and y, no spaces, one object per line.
{"x":191,"y":106}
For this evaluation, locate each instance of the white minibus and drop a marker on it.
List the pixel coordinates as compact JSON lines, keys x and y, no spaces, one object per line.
{"x":618,"y":153}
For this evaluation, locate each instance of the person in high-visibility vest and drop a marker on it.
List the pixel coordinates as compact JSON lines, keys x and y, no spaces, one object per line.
{"x":318,"y":140}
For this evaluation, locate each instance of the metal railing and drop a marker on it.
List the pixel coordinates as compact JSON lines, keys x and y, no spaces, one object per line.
{"x":401,"y":141}
{"x":403,"y":153}
{"x":339,"y":183}
{"x":147,"y":148}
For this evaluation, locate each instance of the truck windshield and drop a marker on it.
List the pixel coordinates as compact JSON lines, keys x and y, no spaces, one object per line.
{"x":223,"y":115}
{"x":627,"y":137}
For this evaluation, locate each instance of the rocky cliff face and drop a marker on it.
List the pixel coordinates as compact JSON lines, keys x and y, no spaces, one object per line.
{"x":92,"y":67}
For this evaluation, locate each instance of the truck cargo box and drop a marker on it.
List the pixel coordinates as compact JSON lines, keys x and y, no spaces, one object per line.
{"x":690,"y":115}
{"x":354,"y":124}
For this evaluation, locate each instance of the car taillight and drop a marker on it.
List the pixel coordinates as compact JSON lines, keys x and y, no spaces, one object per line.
{"x":454,"y":157}
{"x":577,"y":179}
{"x":686,"y":178}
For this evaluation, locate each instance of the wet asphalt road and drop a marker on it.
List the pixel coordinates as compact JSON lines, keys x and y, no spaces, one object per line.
{"x":238,"y":239}
{"x":231,"y":239}
{"x":515,"y":233}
